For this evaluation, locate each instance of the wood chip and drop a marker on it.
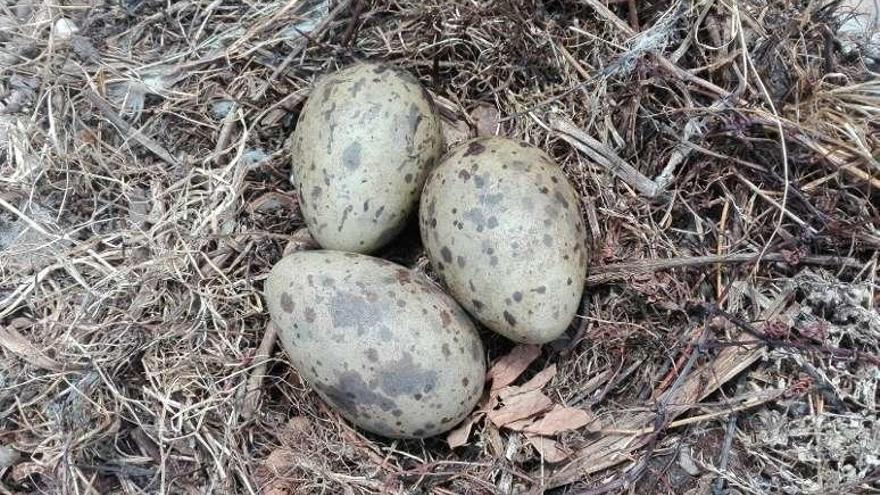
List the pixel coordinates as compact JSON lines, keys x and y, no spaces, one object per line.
{"x":507,"y":369}
{"x":460,"y":434}
{"x":559,"y":419}
{"x":519,"y":407}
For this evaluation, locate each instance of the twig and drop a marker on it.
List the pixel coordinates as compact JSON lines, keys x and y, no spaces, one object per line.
{"x":725,"y":453}
{"x":315,"y":35}
{"x":748,"y":404}
{"x":263,"y":356}
{"x":128,"y":131}
{"x":794,"y":344}
{"x":780,"y":206}
{"x":621,"y":271}
{"x":602,"y":155}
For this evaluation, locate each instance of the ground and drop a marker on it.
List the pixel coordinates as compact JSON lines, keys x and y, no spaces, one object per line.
{"x":726,"y":158}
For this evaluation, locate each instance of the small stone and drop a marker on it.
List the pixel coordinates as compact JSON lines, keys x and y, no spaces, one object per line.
{"x":64,"y":29}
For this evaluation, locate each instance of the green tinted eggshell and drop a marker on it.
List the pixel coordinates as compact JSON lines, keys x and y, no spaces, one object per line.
{"x":502,"y":227}
{"x":365,"y":141}
{"x":387,"y":349}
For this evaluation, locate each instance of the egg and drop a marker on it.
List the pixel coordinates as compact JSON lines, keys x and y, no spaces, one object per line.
{"x":385,"y":347}
{"x":502,"y":227}
{"x":365,"y":141}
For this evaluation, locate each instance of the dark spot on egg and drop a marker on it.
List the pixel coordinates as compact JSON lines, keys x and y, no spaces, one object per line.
{"x":517,"y":296}
{"x":478,"y":305}
{"x":401,"y":303}
{"x":464,"y":175}
{"x":309,"y":315}
{"x":475,"y":148}
{"x":417,"y":397}
{"x":351,"y":156}
{"x":419,"y":432}
{"x":397,"y":413}
{"x":406,"y":377}
{"x":287,"y":303}
{"x":461,"y":261}
{"x":403,"y":276}
{"x":445,"y":349}
{"x":569,"y":281}
{"x":465,"y":382}
{"x":372,"y":355}
{"x":492,"y":222}
{"x":408,"y":178}
{"x":544,"y":189}
{"x":447,"y":254}
{"x":493,"y":261}
{"x":445,"y":318}
{"x":548,"y":240}
{"x":509,"y":318}
{"x":561,"y":199}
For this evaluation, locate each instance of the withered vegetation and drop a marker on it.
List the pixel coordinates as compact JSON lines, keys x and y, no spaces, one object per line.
{"x":726,"y":153}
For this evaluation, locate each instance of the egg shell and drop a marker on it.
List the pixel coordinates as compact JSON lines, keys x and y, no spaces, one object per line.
{"x":364,"y":143}
{"x":385,"y":347}
{"x":502,"y":227}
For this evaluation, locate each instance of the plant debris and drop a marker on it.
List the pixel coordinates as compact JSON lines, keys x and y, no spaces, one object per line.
{"x":726,"y":155}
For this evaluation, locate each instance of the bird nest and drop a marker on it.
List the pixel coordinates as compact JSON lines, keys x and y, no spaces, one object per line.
{"x":726,"y":157}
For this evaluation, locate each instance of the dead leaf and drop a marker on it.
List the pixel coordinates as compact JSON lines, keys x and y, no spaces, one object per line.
{"x":507,"y":369}
{"x":536,"y":383}
{"x":270,"y":202}
{"x":519,"y":425}
{"x":486,"y":118}
{"x":549,"y":449}
{"x":519,"y":407}
{"x":22,"y":347}
{"x":460,"y":434}
{"x":560,"y":419}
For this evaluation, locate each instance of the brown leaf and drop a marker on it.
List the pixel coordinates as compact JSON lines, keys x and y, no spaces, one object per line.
{"x":560,"y":419}
{"x":22,"y":347}
{"x":508,"y":368}
{"x":519,"y":407}
{"x":460,"y":434}
{"x":549,"y":449}
{"x":536,"y":383}
{"x":486,"y":118}
{"x":519,"y":425}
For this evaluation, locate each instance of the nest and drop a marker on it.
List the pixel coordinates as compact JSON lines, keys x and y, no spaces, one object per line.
{"x":726,"y":154}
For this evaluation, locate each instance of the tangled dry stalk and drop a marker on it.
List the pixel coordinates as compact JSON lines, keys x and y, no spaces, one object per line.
{"x":727,"y":153}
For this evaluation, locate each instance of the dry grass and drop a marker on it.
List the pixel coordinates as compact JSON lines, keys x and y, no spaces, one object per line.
{"x":144,"y":196}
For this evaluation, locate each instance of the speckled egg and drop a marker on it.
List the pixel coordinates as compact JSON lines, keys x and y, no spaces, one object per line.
{"x":365,"y":141}
{"x":385,"y":347}
{"x":502,"y":227}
